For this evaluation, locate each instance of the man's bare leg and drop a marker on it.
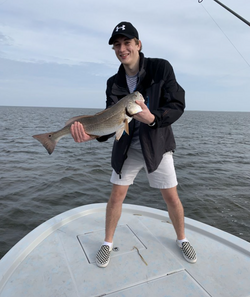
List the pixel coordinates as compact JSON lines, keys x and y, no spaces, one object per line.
{"x":113,"y":214}
{"x":175,"y":210}
{"x":176,"y":214}
{"x":114,"y":210}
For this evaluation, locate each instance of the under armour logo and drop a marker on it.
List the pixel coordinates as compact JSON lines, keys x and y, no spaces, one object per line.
{"x":118,"y":28}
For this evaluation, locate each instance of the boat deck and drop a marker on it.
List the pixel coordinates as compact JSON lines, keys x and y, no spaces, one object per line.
{"x":58,"y":258}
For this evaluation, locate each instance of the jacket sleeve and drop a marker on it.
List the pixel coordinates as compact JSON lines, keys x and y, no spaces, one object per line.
{"x":171,"y":103}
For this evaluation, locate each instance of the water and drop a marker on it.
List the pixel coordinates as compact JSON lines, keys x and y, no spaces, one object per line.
{"x":212,"y":163}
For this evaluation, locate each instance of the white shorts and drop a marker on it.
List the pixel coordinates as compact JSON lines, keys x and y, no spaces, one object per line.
{"x":164,"y":177}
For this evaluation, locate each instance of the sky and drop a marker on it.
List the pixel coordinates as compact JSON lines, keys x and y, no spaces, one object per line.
{"x":55,"y":53}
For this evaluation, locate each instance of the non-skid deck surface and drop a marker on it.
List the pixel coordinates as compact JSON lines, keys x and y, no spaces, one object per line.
{"x":58,"y":258}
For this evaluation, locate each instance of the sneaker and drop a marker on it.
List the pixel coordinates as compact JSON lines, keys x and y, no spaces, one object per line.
{"x":103,"y":256}
{"x":188,"y":251}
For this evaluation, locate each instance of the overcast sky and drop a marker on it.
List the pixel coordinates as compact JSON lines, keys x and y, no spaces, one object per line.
{"x":56,"y":52}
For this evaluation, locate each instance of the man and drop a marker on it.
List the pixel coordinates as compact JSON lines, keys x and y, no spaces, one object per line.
{"x":150,"y":143}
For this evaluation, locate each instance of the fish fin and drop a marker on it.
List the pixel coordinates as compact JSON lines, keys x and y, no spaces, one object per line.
{"x":126,"y":127}
{"x":47,"y":141}
{"x":119,"y":133}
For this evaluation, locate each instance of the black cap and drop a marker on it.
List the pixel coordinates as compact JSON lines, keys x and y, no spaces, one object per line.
{"x":126,"y":29}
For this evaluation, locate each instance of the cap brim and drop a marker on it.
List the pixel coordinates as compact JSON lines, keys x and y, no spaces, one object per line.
{"x":112,"y":38}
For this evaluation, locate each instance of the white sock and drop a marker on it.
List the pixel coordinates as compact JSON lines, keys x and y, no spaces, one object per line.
{"x":110,"y":244}
{"x":181,"y":241}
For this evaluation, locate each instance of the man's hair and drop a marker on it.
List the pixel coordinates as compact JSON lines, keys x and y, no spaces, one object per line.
{"x":136,"y":42}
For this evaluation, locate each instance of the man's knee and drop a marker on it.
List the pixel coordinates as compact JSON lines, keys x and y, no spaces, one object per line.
{"x":118,"y":194}
{"x":171,"y":196}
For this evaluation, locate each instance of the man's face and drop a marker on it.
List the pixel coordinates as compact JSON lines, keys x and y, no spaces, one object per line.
{"x":126,"y":50}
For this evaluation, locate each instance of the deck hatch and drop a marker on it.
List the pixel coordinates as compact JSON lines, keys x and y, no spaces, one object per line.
{"x":124,"y":241}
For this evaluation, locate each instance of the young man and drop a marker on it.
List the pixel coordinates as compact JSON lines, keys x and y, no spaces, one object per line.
{"x":150,"y":143}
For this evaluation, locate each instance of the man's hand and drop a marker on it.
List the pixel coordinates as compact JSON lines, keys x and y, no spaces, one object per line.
{"x":144,"y":116}
{"x":78,"y":133}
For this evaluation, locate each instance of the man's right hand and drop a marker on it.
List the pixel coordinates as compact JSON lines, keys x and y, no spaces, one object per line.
{"x":78,"y":133}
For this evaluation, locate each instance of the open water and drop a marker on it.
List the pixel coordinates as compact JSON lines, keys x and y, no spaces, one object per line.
{"x":212,"y":162}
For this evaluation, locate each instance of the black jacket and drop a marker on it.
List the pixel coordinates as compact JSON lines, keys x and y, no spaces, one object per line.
{"x":164,"y":97}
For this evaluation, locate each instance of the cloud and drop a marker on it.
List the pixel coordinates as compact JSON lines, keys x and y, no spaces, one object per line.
{"x":55,"y":52}
{"x":5,"y":40}
{"x":52,"y":84}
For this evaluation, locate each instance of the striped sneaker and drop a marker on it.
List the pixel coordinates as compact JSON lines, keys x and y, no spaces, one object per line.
{"x":188,"y":251}
{"x":103,"y":256}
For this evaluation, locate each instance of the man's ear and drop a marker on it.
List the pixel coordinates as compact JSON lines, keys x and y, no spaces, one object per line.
{"x":140,"y":45}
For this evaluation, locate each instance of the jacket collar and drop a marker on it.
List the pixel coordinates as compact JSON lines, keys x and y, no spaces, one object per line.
{"x":120,"y":87}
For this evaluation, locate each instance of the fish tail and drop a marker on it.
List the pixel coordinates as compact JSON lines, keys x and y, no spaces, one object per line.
{"x":47,"y":140}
